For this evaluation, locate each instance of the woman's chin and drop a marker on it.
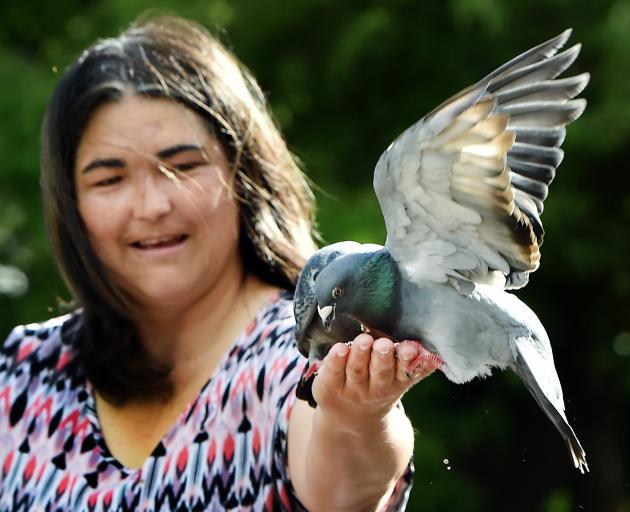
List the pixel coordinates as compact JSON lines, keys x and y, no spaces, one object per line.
{"x":159,"y":295}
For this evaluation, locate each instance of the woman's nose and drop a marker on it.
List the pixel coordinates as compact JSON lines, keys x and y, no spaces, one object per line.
{"x":153,"y":196}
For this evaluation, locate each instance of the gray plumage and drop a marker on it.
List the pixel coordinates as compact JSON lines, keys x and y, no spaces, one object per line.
{"x":462,"y":192}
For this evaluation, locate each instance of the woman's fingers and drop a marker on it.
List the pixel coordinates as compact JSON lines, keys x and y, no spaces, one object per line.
{"x":382,"y":365}
{"x":405,"y":352}
{"x":358,"y":361}
{"x":415,"y":361}
{"x":369,"y":370}
{"x":331,"y":375}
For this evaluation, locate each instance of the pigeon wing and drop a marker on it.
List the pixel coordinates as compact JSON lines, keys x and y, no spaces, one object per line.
{"x":462,"y":190}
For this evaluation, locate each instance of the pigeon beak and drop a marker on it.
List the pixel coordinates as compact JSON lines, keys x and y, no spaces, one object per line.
{"x":327,"y":314}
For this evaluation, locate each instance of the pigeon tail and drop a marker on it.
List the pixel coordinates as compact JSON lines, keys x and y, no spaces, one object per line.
{"x":536,"y":370}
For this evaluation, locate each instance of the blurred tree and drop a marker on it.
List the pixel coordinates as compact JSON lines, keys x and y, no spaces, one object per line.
{"x":344,"y":78}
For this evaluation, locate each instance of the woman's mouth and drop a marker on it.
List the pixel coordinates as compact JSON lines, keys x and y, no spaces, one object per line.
{"x":161,"y":242}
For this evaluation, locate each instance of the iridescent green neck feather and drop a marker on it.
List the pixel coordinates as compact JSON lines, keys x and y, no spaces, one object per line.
{"x":377,"y":290}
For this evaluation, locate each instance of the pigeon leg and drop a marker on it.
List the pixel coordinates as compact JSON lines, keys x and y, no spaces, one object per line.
{"x":304,"y":389}
{"x":424,"y":363}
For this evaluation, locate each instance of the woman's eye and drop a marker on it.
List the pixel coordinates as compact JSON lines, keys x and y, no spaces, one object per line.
{"x":187,"y":166}
{"x":108,"y":181}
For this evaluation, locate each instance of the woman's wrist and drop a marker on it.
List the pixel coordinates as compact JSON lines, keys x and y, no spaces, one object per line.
{"x":356,"y":421}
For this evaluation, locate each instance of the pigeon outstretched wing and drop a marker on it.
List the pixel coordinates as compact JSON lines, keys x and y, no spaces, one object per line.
{"x":462,"y":190}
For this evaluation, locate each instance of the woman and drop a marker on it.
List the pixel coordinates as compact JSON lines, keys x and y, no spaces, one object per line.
{"x":180,"y":222}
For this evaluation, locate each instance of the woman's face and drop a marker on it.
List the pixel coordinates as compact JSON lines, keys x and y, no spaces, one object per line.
{"x":162,"y":238}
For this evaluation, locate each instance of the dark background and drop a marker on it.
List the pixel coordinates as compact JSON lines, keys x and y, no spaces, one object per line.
{"x":344,"y":78}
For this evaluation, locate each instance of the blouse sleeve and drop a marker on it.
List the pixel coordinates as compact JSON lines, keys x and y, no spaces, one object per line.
{"x":400,"y":495}
{"x":292,"y":364}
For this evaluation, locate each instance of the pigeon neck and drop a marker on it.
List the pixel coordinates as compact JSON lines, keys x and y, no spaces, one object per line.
{"x":380,"y":284}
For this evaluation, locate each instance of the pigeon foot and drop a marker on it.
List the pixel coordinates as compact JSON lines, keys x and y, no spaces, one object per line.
{"x":424,"y":363}
{"x":304,"y":389}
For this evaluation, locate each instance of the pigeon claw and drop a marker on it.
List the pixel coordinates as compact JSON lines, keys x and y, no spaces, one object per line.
{"x":304,"y":390}
{"x":424,"y":364}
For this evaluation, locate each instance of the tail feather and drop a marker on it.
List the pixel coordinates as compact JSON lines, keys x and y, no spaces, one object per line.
{"x":535,"y":367}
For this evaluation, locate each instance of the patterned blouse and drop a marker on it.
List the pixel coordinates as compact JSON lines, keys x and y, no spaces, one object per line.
{"x":227,"y":450}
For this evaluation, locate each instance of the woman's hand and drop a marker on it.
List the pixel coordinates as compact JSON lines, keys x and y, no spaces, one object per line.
{"x":359,"y":383}
{"x":349,"y":452}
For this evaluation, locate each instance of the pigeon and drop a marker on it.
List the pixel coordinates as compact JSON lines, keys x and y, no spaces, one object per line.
{"x":313,"y":339}
{"x":461,"y":192}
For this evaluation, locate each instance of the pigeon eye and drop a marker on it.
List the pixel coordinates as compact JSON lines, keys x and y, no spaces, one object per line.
{"x":337,"y":292}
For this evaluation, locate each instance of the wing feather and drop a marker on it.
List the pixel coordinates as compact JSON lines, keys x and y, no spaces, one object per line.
{"x":462,"y":190}
{"x":545,"y":69}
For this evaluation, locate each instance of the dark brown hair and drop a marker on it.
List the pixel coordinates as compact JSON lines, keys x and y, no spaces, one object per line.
{"x":167,"y":57}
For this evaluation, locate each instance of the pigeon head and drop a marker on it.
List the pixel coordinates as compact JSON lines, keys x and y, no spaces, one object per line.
{"x":331,"y":288}
{"x":363,"y":286}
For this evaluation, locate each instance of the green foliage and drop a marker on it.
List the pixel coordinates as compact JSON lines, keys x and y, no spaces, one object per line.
{"x":559,"y":501}
{"x":343,"y":79}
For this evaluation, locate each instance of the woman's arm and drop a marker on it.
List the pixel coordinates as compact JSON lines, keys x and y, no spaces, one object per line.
{"x":349,"y":452}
